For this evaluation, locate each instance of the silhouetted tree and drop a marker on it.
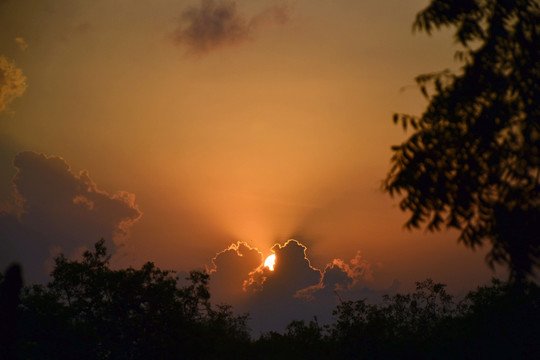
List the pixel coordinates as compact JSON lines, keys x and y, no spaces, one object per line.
{"x":301,"y":340}
{"x":492,"y":323}
{"x":89,"y":311}
{"x":473,"y":160}
{"x":489,"y":323}
{"x":402,"y":325}
{"x":10,"y":289}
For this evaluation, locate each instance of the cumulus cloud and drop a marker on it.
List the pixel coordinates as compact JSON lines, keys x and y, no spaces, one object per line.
{"x":56,"y":210}
{"x":217,"y":23}
{"x":294,"y":290}
{"x":232,"y":268}
{"x":273,"y":301}
{"x":12,"y":82}
{"x":292,"y":270}
{"x":343,"y":280}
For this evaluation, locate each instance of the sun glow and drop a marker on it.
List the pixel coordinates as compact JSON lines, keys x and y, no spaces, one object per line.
{"x":270,"y":261}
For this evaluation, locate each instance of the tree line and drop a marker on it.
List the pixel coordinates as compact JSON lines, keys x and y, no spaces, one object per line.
{"x":90,"y":311}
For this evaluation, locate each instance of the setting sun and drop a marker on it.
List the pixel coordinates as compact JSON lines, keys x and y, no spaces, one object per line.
{"x":270,"y":261}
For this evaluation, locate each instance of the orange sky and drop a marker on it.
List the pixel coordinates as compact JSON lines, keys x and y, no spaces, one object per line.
{"x":277,"y":127}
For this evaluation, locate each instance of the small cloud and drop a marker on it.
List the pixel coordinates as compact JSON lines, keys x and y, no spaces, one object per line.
{"x":22,"y":44}
{"x":12,"y":83}
{"x":357,"y":269}
{"x":217,"y":23}
{"x":213,"y":24}
{"x":59,"y":210}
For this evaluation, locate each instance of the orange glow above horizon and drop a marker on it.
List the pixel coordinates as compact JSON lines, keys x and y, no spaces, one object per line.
{"x":270,"y":261}
{"x":283,"y":134}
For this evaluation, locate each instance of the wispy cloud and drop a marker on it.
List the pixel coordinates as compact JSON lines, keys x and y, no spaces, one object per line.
{"x":22,"y":43}
{"x":12,"y":82}
{"x":217,"y":23}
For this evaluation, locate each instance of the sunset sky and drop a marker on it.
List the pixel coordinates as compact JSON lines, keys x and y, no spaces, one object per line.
{"x":177,"y":129}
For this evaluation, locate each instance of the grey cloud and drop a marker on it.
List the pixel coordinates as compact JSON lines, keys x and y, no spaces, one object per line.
{"x":58,"y":210}
{"x":292,"y":270}
{"x":217,"y":23}
{"x":239,"y":278}
{"x":345,"y":275}
{"x":275,"y":303}
{"x":232,"y":268}
{"x":295,"y":289}
{"x":340,"y":280}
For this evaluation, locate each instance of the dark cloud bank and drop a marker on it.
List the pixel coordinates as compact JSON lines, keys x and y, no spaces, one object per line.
{"x":53,"y":210}
{"x":217,"y":23}
{"x":294,"y":290}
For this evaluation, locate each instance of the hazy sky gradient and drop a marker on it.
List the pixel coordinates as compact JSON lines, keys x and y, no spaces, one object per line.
{"x":251,"y":121}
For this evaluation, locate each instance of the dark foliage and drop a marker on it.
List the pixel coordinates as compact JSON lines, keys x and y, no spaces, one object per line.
{"x":493,"y":322}
{"x":89,"y":311}
{"x":473,"y":160}
{"x":10,"y":289}
{"x":490,"y":323}
{"x":300,"y":341}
